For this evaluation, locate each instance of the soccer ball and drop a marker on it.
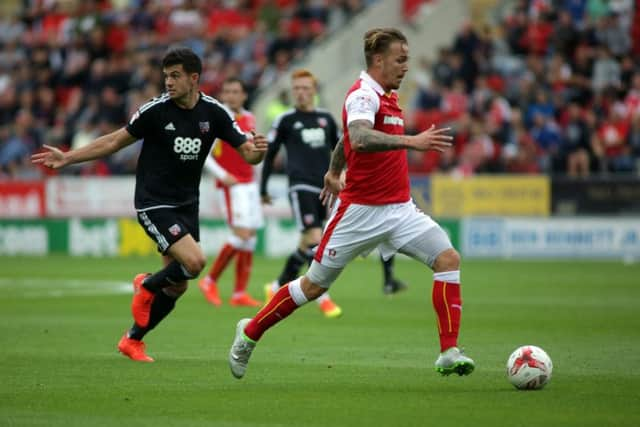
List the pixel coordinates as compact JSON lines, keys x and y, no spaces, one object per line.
{"x":529,"y":368}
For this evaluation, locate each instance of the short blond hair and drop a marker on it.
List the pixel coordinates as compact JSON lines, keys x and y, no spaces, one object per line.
{"x":378,"y":40}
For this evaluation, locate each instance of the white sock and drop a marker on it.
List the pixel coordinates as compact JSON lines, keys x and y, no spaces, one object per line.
{"x":295,"y":290}
{"x":448,"y":276}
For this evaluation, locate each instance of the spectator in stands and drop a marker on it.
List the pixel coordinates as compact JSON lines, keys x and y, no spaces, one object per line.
{"x":576,"y":144}
{"x":612,"y":35}
{"x":57,"y":59}
{"x":606,"y":70}
{"x":610,"y":142}
{"x":634,"y":141}
{"x":520,"y":154}
{"x":546,"y":134}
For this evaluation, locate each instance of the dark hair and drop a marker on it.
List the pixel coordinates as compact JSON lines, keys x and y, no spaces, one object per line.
{"x":242,"y":84}
{"x":378,"y":40}
{"x":183,"y":56}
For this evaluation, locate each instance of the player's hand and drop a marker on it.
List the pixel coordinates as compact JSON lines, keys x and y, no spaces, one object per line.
{"x":260,"y":142}
{"x":266,"y":199}
{"x":333,"y":185}
{"x":432,"y":139}
{"x":53,"y":158}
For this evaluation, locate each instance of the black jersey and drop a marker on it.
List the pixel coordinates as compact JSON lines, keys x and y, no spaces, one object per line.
{"x":176,"y":144}
{"x":309,"y":138}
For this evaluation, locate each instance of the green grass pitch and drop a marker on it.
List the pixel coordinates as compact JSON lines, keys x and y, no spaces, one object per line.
{"x":61,"y":317}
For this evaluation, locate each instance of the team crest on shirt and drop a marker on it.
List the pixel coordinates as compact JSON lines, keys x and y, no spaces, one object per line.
{"x":204,"y":127}
{"x":322,"y":122}
{"x":175,"y":229}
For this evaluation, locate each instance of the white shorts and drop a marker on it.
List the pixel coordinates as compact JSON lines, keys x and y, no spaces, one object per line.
{"x":354,"y":230}
{"x":242,"y":205}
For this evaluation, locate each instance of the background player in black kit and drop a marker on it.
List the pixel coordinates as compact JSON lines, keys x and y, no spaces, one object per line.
{"x":309,"y":135}
{"x":178,"y":129}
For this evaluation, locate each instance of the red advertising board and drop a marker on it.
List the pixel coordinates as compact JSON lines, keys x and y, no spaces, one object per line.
{"x":22,"y":199}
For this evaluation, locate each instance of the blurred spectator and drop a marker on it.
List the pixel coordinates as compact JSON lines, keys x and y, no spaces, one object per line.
{"x":72,"y":70}
{"x":546,"y":134}
{"x":610,"y":142}
{"x":555,"y":89}
{"x":576,"y":144}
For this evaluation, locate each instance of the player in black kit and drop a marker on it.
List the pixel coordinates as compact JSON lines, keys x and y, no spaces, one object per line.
{"x":309,"y":135}
{"x":178,"y":129}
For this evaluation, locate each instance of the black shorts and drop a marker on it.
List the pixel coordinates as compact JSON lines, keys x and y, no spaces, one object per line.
{"x":166,"y":226}
{"x":307,"y":207}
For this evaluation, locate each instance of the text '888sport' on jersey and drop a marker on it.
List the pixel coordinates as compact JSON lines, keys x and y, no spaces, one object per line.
{"x":176,"y":144}
{"x":309,"y":138}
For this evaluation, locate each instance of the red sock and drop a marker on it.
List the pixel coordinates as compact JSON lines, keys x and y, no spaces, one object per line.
{"x":279,"y":307}
{"x":226,"y":254}
{"x":243,"y":270}
{"x":448,"y":305}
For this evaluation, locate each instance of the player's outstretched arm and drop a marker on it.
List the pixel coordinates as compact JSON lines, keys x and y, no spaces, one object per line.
{"x":99,"y":147}
{"x":366,"y":139}
{"x":254,"y":150}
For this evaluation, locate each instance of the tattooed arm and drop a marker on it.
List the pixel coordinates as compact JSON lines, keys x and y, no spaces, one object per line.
{"x":366,"y":139}
{"x":338,"y":160}
{"x":334,"y":180}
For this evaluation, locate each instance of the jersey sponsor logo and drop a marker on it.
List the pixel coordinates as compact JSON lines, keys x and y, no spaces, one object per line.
{"x":170,"y":126}
{"x":314,"y":137}
{"x":204,"y":127}
{"x":174,"y":229}
{"x":188,"y":148}
{"x":393,"y":120}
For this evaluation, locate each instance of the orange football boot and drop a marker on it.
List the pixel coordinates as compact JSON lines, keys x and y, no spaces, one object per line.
{"x":133,"y":349}
{"x":209,"y":289}
{"x":330,"y":309}
{"x":141,"y":302}
{"x":244,"y":300}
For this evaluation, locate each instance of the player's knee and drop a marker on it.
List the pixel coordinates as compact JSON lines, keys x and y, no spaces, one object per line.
{"x":310,"y":289}
{"x":448,"y":260}
{"x":195,"y":264}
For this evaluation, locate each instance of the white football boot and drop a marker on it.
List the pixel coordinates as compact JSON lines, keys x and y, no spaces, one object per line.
{"x":453,"y":360}
{"x":240,"y":350}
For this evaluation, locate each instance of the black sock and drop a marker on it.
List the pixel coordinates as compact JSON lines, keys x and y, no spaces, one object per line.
{"x":294,"y":263}
{"x":170,"y":275}
{"x":162,"y":305}
{"x":387,"y":267}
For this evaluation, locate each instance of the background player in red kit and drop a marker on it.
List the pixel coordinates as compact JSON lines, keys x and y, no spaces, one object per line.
{"x":375,"y":208}
{"x":235,"y":179}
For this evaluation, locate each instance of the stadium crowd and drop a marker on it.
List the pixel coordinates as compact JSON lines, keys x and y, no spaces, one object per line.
{"x":73,"y":70}
{"x":554,"y":87}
